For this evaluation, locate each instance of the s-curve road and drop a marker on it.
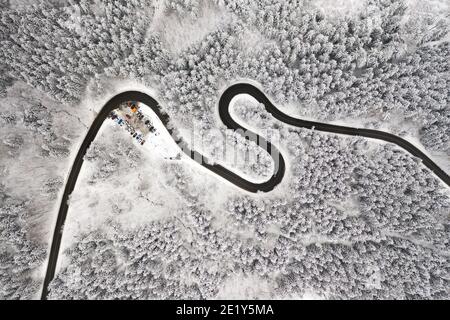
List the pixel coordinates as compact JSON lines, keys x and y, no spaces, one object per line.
{"x":224,"y":112}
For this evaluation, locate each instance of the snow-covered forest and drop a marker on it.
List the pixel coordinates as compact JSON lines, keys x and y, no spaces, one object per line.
{"x":353,"y":219}
{"x":373,"y":63}
{"x":363,"y":221}
{"x":36,"y":139}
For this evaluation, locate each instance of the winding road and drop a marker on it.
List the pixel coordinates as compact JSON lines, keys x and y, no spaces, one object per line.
{"x":224,"y":112}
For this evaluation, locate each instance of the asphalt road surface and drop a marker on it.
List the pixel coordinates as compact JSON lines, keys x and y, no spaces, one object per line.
{"x":224,"y":103}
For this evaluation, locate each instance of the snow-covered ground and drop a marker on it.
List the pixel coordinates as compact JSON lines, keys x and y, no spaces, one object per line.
{"x":134,"y":193}
{"x":160,"y":141}
{"x":138,"y":189}
{"x":142,"y":225}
